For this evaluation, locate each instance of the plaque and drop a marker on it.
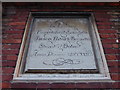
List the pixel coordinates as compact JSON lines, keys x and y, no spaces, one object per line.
{"x":60,"y":45}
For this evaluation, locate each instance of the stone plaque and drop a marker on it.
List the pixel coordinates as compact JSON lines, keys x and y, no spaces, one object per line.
{"x":60,"y":44}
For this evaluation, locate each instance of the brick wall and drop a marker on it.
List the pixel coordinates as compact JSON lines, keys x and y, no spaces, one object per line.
{"x":14,"y":19}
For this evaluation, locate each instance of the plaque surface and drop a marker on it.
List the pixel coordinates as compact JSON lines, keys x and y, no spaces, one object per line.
{"x":60,"y":44}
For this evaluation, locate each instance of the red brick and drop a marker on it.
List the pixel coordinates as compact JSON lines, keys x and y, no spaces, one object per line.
{"x":8,"y":70}
{"x":118,"y":63}
{"x":105,"y":23}
{"x":9,"y":63}
{"x":115,"y":76}
{"x":100,"y":12}
{"x":7,"y":77}
{"x":111,"y":51}
{"x":14,"y":20}
{"x":20,"y":27}
{"x":82,"y":85}
{"x":107,"y":85}
{"x":17,"y":23}
{"x":114,"y":4}
{"x":88,"y":85}
{"x":115,"y":45}
{"x":22,"y":11}
{"x":24,"y":85}
{"x":15,"y":36}
{"x":19,"y":19}
{"x":12,"y":46}
{"x":0,"y":65}
{"x":7,"y":19}
{"x":111,"y":57}
{"x":6,"y":85}
{"x":108,"y":40}
{"x":106,"y":45}
{"x":10,"y":52}
{"x":16,"y":17}
{"x":58,"y":85}
{"x":107,"y":31}
{"x":71,"y":85}
{"x":116,"y":85}
{"x":114,"y":69}
{"x":102,"y":15}
{"x":112,"y":63}
{"x":43,"y":85}
{"x":9,"y":57}
{"x":108,"y":35}
{"x":62,"y":85}
{"x":104,"y":27}
{"x":13,"y":31}
{"x":95,"y":85}
{"x":11,"y":40}
{"x":103,"y":19}
{"x":113,"y":13}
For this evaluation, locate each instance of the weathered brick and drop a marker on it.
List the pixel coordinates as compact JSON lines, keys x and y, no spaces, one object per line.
{"x":9,"y":63}
{"x":7,"y":77}
{"x":106,"y":45}
{"x":11,"y":46}
{"x":105,"y":23}
{"x":7,"y":70}
{"x":116,"y":85}
{"x":108,"y":40}
{"x":107,"y":85}
{"x":114,"y":69}
{"x":11,"y":40}
{"x":20,"y":27}
{"x":104,"y":27}
{"x":9,"y":57}
{"x":6,"y":19}
{"x":111,"y":57}
{"x":100,"y":12}
{"x":102,"y":16}
{"x":113,"y":12}
{"x":114,"y":4}
{"x":43,"y":85}
{"x":115,"y":76}
{"x":88,"y":85}
{"x":115,"y":45}
{"x":108,"y":35}
{"x":13,"y":31}
{"x":108,"y":31}
{"x":6,"y":85}
{"x":102,"y":19}
{"x":58,"y":85}
{"x":10,"y":52}
{"x":111,"y":51}
{"x":17,"y":23}
{"x":18,"y":16}
{"x":112,"y":63}
{"x":13,"y":36}
{"x":24,"y":85}
{"x":114,"y":20}
{"x":62,"y":85}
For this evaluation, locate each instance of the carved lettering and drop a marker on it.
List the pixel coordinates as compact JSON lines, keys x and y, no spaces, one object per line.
{"x":61,"y":44}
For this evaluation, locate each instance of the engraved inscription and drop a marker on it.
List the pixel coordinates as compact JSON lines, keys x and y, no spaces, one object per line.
{"x":60,"y":44}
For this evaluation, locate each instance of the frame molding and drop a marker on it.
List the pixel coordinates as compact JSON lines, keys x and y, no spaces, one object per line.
{"x":103,"y":76}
